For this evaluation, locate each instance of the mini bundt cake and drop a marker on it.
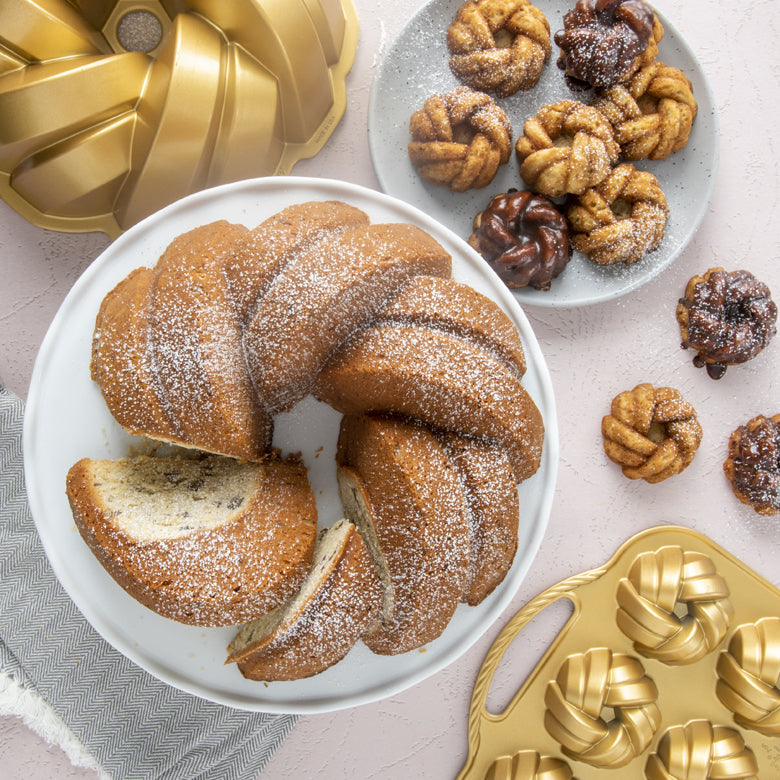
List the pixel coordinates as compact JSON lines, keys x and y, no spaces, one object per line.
{"x":621,"y":219}
{"x":208,"y":540}
{"x":524,"y":238}
{"x":604,"y":41}
{"x":566,"y":147}
{"x":651,"y":432}
{"x":753,"y":464}
{"x":652,"y":113}
{"x":728,"y":317}
{"x":364,"y":316}
{"x":322,"y":622}
{"x":499,"y":45}
{"x":459,"y":139}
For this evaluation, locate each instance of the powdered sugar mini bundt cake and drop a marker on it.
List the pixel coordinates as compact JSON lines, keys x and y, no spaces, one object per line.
{"x":232,"y":326}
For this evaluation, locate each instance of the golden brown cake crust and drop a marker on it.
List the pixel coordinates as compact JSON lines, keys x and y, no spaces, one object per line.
{"x":325,"y":295}
{"x":271,"y":246}
{"x":222,"y":576}
{"x":446,"y":382}
{"x":499,"y":45}
{"x":196,"y":345}
{"x":419,"y":515}
{"x":651,"y":432}
{"x":459,"y":139}
{"x":121,"y":361}
{"x":493,"y":505}
{"x":458,"y":309}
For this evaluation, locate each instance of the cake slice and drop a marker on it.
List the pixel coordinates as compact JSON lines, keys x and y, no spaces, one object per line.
{"x":207,"y":540}
{"x":399,"y":487}
{"x":322,"y":622}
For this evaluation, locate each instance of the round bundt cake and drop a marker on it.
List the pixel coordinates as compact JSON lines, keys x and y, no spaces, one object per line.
{"x":128,"y":109}
{"x":232,"y":326}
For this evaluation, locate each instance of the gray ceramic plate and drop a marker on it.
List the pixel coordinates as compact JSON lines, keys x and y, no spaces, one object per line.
{"x":416,"y":66}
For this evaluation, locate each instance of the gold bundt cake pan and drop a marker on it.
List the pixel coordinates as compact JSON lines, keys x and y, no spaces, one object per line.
{"x":112,"y":109}
{"x":604,"y":702}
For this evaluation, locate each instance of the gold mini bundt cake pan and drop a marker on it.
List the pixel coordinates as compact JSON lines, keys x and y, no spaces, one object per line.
{"x":667,"y":669}
{"x":112,"y":109}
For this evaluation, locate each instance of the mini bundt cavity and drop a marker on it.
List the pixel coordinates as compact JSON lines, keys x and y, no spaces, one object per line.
{"x":728,"y":317}
{"x":524,"y":238}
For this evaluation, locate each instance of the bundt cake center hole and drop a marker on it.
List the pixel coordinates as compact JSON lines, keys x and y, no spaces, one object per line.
{"x":657,"y":432}
{"x":462,"y":133}
{"x":621,"y":208}
{"x":139,"y":30}
{"x":503,"y":38}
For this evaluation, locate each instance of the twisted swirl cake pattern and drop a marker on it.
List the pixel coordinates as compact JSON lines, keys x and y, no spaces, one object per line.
{"x":479,"y":57}
{"x":459,"y":139}
{"x":586,"y":684}
{"x":651,"y":432}
{"x":233,"y":326}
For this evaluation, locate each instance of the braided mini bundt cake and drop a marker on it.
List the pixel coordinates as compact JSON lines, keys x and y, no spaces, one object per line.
{"x":566,"y":148}
{"x":499,"y":45}
{"x":621,"y":219}
{"x":232,"y":326}
{"x":653,"y":433}
{"x":652,"y":113}
{"x":459,"y":139}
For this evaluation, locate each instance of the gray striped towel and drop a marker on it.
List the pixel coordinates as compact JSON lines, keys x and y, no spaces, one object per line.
{"x":135,"y":726}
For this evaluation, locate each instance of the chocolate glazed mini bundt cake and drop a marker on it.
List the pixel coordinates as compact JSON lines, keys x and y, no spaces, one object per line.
{"x":232,"y":326}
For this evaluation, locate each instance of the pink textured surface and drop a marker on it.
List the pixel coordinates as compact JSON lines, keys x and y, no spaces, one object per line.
{"x":592,"y":353}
